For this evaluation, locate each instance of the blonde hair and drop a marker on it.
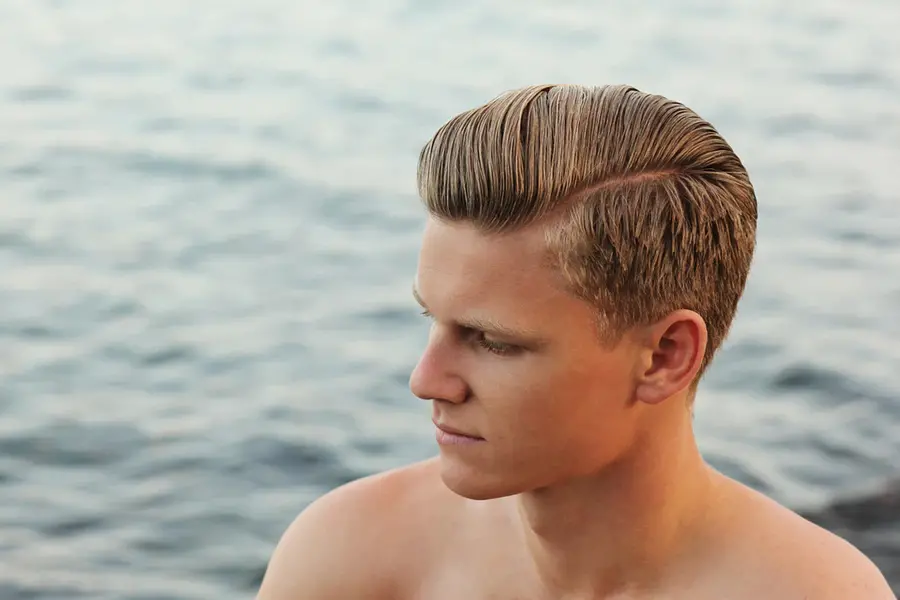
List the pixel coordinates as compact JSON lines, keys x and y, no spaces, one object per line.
{"x":652,"y":210}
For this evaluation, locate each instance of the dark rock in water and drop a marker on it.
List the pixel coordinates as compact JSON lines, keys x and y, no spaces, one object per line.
{"x":872,"y":511}
{"x":872,"y":524}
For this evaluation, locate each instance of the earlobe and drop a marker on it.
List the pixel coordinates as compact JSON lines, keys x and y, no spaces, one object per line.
{"x":676,"y":348}
{"x":649,"y":392}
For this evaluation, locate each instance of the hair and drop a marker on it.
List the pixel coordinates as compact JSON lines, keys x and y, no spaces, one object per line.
{"x":650,"y":209}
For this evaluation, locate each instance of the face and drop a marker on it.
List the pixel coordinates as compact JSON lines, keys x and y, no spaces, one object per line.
{"x":515,"y":360}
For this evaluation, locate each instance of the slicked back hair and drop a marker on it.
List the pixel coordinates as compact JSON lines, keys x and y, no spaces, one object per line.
{"x":649,"y":210}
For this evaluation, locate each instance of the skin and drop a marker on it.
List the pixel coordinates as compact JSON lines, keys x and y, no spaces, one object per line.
{"x":586,"y":481}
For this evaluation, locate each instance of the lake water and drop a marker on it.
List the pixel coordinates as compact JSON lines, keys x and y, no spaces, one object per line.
{"x":208,"y":230}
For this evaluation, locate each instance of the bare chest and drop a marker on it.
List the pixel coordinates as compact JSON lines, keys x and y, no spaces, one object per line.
{"x":508,"y":582}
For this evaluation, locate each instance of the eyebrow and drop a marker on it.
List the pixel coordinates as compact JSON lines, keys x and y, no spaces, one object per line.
{"x":490,"y":326}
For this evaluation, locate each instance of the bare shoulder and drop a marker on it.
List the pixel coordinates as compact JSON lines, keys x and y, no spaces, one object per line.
{"x":352,"y":541}
{"x":799,"y":559}
{"x":832,"y":568}
{"x":829,"y":567}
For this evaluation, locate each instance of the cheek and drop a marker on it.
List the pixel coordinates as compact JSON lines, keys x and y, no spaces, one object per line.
{"x":575,"y":396}
{"x":548,"y":394}
{"x":522,"y":398}
{"x":513,"y":388}
{"x":502,"y":382}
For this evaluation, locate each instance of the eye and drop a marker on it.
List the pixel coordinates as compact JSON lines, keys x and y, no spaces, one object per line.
{"x":492,"y":346}
{"x":498,"y":348}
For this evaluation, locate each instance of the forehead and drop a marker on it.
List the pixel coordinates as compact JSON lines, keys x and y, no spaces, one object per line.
{"x":459,"y":262}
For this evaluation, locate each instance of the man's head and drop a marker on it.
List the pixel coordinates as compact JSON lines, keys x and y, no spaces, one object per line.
{"x":613,"y":232}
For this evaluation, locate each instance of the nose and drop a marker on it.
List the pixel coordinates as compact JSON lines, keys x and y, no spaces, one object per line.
{"x":435,"y":377}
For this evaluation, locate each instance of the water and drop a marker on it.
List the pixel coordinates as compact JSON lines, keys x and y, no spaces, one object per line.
{"x":208,"y":230}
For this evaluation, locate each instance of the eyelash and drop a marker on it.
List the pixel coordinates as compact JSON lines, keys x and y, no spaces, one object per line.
{"x":497,"y":348}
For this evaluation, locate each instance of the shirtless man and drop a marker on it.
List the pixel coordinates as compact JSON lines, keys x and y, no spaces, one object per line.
{"x":582,"y":261}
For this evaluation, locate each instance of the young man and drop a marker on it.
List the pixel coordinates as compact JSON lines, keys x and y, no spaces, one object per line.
{"x":583,"y":259}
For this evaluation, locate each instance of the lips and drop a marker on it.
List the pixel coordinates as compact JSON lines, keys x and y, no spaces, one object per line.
{"x":454,"y":431}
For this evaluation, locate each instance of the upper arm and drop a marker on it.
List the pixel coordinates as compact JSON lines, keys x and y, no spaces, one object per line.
{"x":326,"y":553}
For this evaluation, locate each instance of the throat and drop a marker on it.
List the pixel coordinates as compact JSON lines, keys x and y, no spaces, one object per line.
{"x":620,"y":529}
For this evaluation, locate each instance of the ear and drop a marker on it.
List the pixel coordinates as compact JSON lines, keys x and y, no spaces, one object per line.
{"x":673,"y":354}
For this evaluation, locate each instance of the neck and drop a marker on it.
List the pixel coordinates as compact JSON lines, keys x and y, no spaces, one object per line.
{"x":620,"y":528}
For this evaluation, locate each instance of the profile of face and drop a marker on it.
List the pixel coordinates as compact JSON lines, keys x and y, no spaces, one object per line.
{"x":514,"y":359}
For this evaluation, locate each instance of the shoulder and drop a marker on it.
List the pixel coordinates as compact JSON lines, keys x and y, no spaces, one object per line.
{"x":350,"y":542}
{"x":803,"y":560}
{"x":831,"y":568}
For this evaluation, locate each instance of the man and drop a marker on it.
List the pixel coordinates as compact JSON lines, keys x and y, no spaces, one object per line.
{"x":584,"y":255}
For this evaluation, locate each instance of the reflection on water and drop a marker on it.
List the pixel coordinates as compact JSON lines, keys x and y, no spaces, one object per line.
{"x":208,"y":229}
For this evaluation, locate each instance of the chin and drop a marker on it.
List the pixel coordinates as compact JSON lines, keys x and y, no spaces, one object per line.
{"x":471,"y":482}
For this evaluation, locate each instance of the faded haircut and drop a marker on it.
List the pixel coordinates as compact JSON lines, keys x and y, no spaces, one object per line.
{"x":649,"y":209}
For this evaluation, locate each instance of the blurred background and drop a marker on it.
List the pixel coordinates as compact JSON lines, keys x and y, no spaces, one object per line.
{"x":209,"y":227}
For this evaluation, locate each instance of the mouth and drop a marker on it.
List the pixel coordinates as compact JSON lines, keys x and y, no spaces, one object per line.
{"x":450,"y":436}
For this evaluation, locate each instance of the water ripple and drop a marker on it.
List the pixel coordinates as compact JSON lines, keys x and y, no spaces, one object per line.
{"x":208,"y":229}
